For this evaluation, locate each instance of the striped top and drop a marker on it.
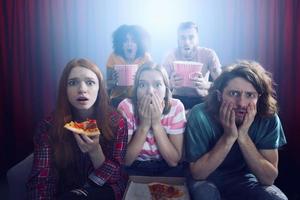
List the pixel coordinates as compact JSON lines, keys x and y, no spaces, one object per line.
{"x":173,"y":123}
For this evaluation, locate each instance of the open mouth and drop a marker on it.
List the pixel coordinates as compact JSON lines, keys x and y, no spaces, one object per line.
{"x":82,"y":99}
{"x":240,"y":112}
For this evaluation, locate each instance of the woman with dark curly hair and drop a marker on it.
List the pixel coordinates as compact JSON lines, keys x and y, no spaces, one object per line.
{"x":130,"y":45}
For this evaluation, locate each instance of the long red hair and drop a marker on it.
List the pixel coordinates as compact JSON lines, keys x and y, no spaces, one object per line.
{"x":62,"y":141}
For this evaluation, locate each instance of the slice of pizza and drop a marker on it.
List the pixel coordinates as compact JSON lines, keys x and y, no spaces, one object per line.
{"x":88,"y":127}
{"x":164,"y":191}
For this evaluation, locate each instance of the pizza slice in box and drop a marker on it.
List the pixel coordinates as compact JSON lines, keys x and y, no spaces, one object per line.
{"x":88,"y":127}
{"x":161,"y":191}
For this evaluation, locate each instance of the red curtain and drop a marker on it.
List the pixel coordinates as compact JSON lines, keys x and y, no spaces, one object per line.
{"x":29,"y":67}
{"x":38,"y":37}
{"x":288,"y":76}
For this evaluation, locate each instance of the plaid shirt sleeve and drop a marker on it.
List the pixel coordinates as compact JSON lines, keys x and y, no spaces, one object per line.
{"x":110,"y":170}
{"x":42,"y":181}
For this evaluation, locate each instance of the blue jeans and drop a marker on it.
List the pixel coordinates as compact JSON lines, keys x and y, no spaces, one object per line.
{"x":155,"y":168}
{"x":251,"y":190}
{"x":203,"y":190}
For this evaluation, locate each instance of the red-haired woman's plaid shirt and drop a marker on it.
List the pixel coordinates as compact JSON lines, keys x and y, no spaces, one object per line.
{"x":43,"y":181}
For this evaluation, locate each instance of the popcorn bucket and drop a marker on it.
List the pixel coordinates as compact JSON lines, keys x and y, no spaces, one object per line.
{"x":126,"y":74}
{"x":187,"y":70}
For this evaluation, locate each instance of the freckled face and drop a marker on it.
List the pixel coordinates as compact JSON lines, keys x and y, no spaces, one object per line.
{"x":82,"y":88}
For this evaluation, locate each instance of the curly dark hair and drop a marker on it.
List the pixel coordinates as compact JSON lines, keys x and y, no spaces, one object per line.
{"x":139,"y":35}
{"x":254,"y":73}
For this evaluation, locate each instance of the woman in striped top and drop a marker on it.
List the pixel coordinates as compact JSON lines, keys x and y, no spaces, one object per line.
{"x":156,"y":123}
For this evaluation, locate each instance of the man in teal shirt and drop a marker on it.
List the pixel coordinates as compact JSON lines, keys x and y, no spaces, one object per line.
{"x":232,"y":139}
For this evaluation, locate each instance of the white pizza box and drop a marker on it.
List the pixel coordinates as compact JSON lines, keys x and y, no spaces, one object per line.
{"x":137,"y":187}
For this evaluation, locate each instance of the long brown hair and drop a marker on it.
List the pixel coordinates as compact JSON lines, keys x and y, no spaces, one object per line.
{"x":257,"y":76}
{"x":62,"y":141}
{"x":148,"y":67}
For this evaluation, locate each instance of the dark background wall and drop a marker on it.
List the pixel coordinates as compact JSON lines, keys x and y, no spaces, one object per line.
{"x":37,"y":38}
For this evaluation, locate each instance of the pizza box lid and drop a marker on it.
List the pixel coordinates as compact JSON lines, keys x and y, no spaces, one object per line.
{"x":137,"y":187}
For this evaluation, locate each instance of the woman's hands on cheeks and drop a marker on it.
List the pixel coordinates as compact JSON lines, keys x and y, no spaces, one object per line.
{"x":144,"y":111}
{"x":150,"y":109}
{"x":157,"y":108}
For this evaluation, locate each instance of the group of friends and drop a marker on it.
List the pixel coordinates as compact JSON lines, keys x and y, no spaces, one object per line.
{"x":222,"y":134}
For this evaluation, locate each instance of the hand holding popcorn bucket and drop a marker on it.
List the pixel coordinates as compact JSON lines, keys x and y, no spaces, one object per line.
{"x":187,"y":70}
{"x":126,"y":74}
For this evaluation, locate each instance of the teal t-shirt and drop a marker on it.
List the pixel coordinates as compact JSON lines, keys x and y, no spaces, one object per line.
{"x":203,"y":132}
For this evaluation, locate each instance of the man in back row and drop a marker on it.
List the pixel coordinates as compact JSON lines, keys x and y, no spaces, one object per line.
{"x":232,"y":139}
{"x":189,"y":50}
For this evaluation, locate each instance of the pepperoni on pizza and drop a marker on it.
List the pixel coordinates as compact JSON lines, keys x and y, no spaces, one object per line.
{"x":88,"y":127}
{"x":160,"y":191}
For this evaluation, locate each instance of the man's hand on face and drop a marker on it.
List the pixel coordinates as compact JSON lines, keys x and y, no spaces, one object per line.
{"x":227,"y":119}
{"x":248,"y":120}
{"x":176,"y":80}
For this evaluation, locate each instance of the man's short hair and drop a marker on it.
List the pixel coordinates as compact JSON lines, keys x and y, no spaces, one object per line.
{"x":187,"y":25}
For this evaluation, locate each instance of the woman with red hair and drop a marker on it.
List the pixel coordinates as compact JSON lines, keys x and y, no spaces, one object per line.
{"x":71,"y":166}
